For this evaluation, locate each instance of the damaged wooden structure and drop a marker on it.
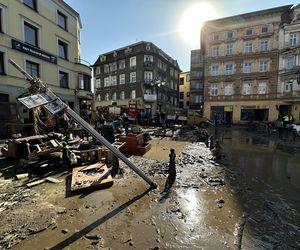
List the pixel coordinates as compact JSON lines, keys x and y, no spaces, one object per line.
{"x":55,"y":104}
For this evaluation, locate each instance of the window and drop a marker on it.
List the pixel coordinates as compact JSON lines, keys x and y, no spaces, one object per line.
{"x":114,"y":80}
{"x":199,"y":85}
{"x":114,"y":96}
{"x":32,"y":69}
{"x":188,"y":77}
{"x":148,"y":76}
{"x":61,"y":20}
{"x":176,"y":74}
{"x":249,"y":32}
{"x":215,"y":37}
{"x":172,"y":84}
{"x":30,"y":3}
{"x":248,"y":47}
{"x":122,"y":79}
{"x":214,"y":89}
{"x":122,"y":95}
{"x":1,"y":24}
{"x":181,"y":105}
{"x":62,"y":50}
{"x":63,"y":79}
{"x":98,"y":83}
{"x":171,"y":72}
{"x":263,"y":66}
{"x":107,"y":97}
{"x":84,"y":82}
{"x":132,"y":61}
{"x":229,"y":49}
{"x":198,"y":98}
{"x":132,"y":77}
{"x":99,"y":97}
{"x":181,"y":95}
{"x":31,"y":34}
{"x":229,"y":35}
{"x":133,"y":94}
{"x":247,"y":88}
{"x":290,"y":62}
{"x":187,"y":94}
{"x":98,"y":70}
{"x":293,"y":39}
{"x":264,"y":29}
{"x":228,"y":90}
{"x":247,"y":67}
{"x":262,"y":88}
{"x":106,"y":68}
{"x":113,"y":66}
{"x":215,"y":51}
{"x":181,"y":81}
{"x":148,"y":58}
{"x":2,"y":63}
{"x":215,"y":70}
{"x":229,"y":69}
{"x":122,"y":64}
{"x":264,"y":45}
{"x":107,"y":81}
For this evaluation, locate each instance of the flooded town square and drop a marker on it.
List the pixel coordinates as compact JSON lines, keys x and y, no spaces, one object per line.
{"x":149,"y":125}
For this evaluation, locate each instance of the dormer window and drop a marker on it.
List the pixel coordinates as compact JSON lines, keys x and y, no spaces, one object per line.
{"x":298,"y":16}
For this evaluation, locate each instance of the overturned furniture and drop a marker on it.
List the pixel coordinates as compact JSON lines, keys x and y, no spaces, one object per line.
{"x":134,"y":144}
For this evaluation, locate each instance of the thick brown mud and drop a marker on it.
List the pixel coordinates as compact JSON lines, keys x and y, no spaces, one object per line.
{"x":248,"y":200}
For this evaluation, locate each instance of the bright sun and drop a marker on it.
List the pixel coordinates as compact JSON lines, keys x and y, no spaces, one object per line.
{"x":192,"y":20}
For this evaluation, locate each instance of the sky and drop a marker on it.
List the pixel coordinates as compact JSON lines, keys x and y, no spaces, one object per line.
{"x":172,"y":25}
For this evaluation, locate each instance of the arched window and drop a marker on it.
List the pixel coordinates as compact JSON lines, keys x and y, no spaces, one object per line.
{"x":99,"y":97}
{"x":107,"y":97}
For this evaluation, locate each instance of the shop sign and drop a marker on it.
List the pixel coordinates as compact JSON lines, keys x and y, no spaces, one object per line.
{"x":150,"y":98}
{"x":33,"y":51}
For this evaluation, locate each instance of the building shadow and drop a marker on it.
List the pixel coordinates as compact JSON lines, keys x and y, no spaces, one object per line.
{"x":98,"y":222}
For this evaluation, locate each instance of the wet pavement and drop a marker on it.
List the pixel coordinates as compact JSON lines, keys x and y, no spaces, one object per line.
{"x":247,"y":200}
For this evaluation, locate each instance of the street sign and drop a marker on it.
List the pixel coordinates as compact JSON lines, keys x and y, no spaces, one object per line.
{"x":55,"y":106}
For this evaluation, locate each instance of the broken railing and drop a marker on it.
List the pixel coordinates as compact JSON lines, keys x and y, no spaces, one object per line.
{"x":54,"y":104}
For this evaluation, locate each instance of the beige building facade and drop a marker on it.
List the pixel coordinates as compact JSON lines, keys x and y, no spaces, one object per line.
{"x":241,"y":66}
{"x":43,"y":37}
{"x":184,"y":90}
{"x":288,"y":89}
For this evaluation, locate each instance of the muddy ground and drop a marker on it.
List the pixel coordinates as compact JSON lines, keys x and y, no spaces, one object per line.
{"x":242,"y":201}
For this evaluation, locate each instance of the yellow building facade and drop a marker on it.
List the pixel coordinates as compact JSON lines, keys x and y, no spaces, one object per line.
{"x":43,"y":37}
{"x":184,"y":90}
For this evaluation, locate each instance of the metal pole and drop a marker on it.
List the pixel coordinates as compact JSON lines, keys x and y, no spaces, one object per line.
{"x":91,"y":130}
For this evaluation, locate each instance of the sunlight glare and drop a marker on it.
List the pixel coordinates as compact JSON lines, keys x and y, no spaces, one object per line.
{"x":192,"y":20}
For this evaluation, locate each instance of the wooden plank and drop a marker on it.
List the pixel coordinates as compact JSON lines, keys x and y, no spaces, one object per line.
{"x":34,"y":183}
{"x":53,"y":180}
